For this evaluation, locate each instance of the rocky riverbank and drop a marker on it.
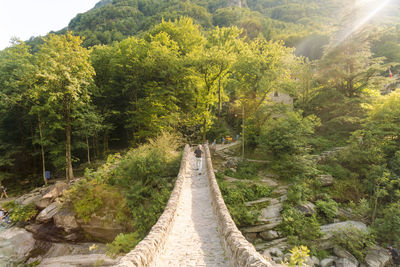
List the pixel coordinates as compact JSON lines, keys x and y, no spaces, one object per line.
{"x":55,"y":237}
{"x":273,"y":244}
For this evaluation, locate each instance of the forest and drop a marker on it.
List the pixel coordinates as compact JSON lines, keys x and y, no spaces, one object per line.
{"x":175,"y":72}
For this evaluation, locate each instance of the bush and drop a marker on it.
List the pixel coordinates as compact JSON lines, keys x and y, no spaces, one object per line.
{"x":327,"y":208}
{"x":237,"y":194}
{"x":131,"y":190}
{"x":288,"y":134}
{"x":354,"y":240}
{"x":20,"y":214}
{"x":245,"y":170}
{"x":299,"y":192}
{"x":299,"y":256}
{"x":387,"y":228}
{"x":123,"y":243}
{"x":299,"y":228}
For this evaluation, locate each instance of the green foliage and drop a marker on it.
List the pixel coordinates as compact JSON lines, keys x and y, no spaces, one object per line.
{"x":299,"y":229}
{"x":130,"y":190}
{"x":327,"y":208}
{"x":123,"y":243}
{"x":299,"y":256}
{"x":245,"y":170}
{"x":354,"y":240}
{"x":18,"y":213}
{"x":287,"y":134}
{"x":387,"y":228}
{"x":237,"y":194}
{"x":299,"y":192}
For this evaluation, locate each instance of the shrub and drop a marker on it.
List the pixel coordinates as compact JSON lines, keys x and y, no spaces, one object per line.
{"x":299,"y":192}
{"x":387,"y":228}
{"x":237,"y":194}
{"x":123,"y":243}
{"x":299,"y":256}
{"x":299,"y":228}
{"x":131,"y":190}
{"x":328,"y":208}
{"x":20,"y":214}
{"x":354,"y":240}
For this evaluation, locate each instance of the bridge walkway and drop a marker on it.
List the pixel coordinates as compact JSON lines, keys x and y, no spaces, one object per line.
{"x":194,"y":239}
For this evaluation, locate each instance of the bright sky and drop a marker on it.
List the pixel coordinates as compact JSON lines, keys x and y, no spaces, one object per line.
{"x":26,"y":18}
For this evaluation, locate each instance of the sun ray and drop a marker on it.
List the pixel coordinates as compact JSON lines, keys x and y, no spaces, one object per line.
{"x":360,"y":23}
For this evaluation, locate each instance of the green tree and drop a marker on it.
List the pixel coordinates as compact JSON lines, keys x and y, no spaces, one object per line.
{"x":64,"y":75}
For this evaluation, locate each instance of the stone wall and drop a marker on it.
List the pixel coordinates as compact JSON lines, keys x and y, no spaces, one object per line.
{"x":238,"y":250}
{"x":145,"y":252}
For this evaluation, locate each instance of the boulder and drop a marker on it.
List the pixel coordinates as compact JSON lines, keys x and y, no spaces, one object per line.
{"x":269,"y":235}
{"x":46,"y":232}
{"x":47,"y":214}
{"x":343,"y":262}
{"x":65,"y":249}
{"x":327,"y":262}
{"x":277,"y":243}
{"x":377,"y":257}
{"x":325,"y":179}
{"x":16,"y":245}
{"x":260,"y":228}
{"x":275,"y":252}
{"x":65,"y":219}
{"x":272,"y":214}
{"x":79,"y":260}
{"x":342,"y":253}
{"x":251,"y":237}
{"x":57,"y":191}
{"x":326,"y":242}
{"x":101,"y":228}
{"x":51,"y":194}
{"x":306,"y":208}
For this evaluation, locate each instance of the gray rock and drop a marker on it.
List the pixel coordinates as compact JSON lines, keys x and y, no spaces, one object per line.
{"x":251,"y":237}
{"x":377,"y":257}
{"x":101,"y":228}
{"x":16,"y":245}
{"x":255,"y":202}
{"x":47,"y":214}
{"x":65,"y":249}
{"x":277,"y":243}
{"x":51,"y":194}
{"x":260,"y":228}
{"x":325,"y":179}
{"x":342,"y":253}
{"x":275,"y":252}
{"x":269,"y":235}
{"x":343,"y":262}
{"x":79,"y":260}
{"x":315,"y":260}
{"x":65,"y":219}
{"x":306,"y":208}
{"x":327,"y":262}
{"x":326,"y":242}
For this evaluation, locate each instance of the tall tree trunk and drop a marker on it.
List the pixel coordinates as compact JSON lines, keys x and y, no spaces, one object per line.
{"x":204,"y":130}
{"x":68,"y":170}
{"x":42,"y":148}
{"x":88,"y":149}
{"x":105,"y":142}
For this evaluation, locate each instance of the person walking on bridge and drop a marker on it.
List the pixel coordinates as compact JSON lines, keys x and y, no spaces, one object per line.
{"x":198,"y":153}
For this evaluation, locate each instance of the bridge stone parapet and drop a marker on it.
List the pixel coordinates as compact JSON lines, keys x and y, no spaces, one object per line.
{"x":144,"y":254}
{"x":239,"y":251}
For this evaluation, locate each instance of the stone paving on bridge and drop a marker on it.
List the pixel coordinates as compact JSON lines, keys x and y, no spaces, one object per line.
{"x":194,"y":239}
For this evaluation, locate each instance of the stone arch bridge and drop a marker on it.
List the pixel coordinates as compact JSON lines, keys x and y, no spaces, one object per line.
{"x":196,"y":228}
